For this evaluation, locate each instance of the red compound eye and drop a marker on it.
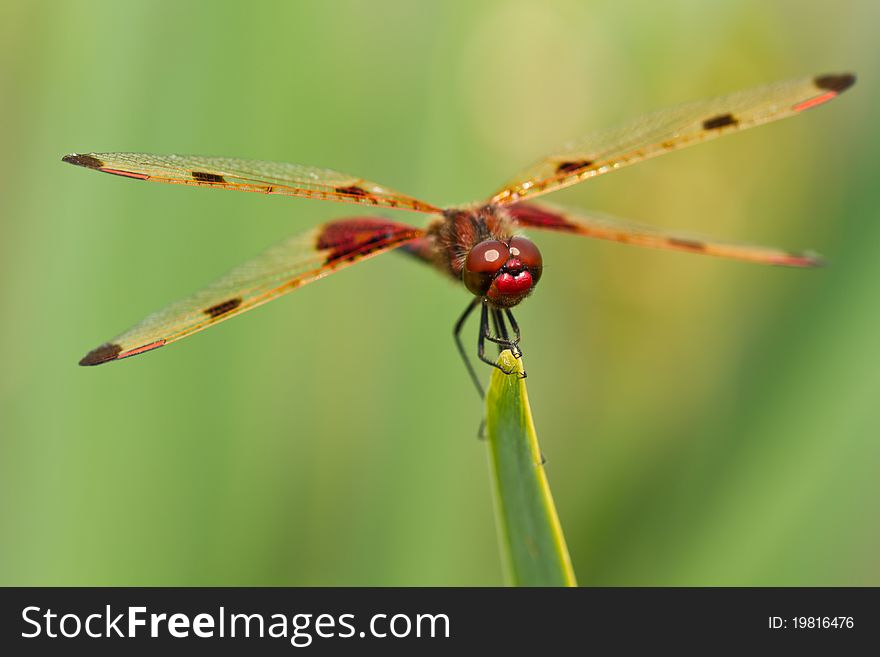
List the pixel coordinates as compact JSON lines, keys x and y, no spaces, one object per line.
{"x":483,"y":262}
{"x":527,"y":253}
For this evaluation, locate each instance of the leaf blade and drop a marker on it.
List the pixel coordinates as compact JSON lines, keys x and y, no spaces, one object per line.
{"x":531,"y":538}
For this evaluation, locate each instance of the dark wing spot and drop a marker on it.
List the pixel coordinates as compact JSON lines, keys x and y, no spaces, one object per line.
{"x":352,"y":190}
{"x":691,"y":245}
{"x":223,"y":307}
{"x":88,"y":161}
{"x":720,"y":121}
{"x":106,"y":352}
{"x":201,"y":176}
{"x":838,"y":83}
{"x":571,"y":167}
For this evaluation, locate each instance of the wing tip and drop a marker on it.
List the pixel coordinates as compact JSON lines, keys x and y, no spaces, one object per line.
{"x":83,"y":160}
{"x":836,"y":82}
{"x":103,"y":354}
{"x":109,"y":351}
{"x":804,"y":260}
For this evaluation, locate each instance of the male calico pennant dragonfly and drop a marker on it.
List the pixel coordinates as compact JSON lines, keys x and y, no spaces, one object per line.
{"x":475,"y":244}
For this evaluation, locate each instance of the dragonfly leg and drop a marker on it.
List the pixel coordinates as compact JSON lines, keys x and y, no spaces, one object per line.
{"x":502,"y":337}
{"x":485,"y":335}
{"x":500,"y":329}
{"x":512,"y":344}
{"x":517,"y":352}
{"x":461,"y":350}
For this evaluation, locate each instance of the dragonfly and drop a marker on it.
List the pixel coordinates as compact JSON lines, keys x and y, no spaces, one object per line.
{"x":479,"y":245}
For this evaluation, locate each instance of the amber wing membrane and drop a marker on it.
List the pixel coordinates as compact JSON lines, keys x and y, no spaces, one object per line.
{"x":249,"y":176}
{"x":282,"y":268}
{"x":533,"y":215}
{"x":669,"y":130}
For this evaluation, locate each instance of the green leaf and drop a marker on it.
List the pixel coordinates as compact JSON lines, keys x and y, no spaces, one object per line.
{"x":532,"y":545}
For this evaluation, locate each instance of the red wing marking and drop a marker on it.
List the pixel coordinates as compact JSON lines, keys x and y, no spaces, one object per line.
{"x":126,"y":174}
{"x":530,"y":215}
{"x":140,"y":350}
{"x":669,"y":130}
{"x":282,"y":268}
{"x":250,"y":176}
{"x":815,"y":102}
{"x":354,"y":238}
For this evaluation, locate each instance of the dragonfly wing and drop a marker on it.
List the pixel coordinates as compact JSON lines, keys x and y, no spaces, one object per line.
{"x":669,"y":130}
{"x":532,"y":215}
{"x":249,"y":176}
{"x":281,"y":269}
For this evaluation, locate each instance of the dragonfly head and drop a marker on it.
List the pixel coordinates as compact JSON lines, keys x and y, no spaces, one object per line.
{"x":503,"y":273}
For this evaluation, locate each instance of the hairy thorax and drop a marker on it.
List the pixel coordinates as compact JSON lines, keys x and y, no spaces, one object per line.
{"x":461,"y":229}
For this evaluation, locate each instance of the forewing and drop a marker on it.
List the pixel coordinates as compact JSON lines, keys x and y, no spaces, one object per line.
{"x":282,"y":268}
{"x":532,"y":215}
{"x":669,"y":130}
{"x":249,"y":176}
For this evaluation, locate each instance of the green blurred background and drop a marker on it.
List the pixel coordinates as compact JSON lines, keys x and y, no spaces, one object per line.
{"x":705,"y":422}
